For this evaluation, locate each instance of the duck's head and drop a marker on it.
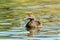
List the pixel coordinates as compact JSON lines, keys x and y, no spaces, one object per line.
{"x":30,"y":17}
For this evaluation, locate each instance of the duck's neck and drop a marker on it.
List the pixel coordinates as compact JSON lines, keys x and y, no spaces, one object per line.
{"x":32,"y":19}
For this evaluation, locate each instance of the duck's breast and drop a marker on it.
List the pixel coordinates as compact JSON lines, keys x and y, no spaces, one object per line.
{"x":34,"y":24}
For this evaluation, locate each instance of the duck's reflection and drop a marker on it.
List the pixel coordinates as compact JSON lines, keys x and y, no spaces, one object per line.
{"x":33,"y":31}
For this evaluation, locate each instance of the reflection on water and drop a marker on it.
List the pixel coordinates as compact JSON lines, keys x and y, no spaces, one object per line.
{"x":13,"y":31}
{"x":48,"y":32}
{"x":33,"y":31}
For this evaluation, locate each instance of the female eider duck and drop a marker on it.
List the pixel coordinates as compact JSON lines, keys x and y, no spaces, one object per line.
{"x":33,"y":25}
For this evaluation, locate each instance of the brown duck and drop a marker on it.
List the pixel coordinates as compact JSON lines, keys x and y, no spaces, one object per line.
{"x":33,"y":25}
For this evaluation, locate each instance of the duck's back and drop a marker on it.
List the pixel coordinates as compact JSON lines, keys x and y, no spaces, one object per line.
{"x":34,"y":23}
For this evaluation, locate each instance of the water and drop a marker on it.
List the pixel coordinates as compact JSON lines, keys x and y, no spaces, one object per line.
{"x":48,"y":32}
{"x":10,"y":31}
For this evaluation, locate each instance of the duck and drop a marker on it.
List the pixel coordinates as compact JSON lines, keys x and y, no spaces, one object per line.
{"x":33,"y":24}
